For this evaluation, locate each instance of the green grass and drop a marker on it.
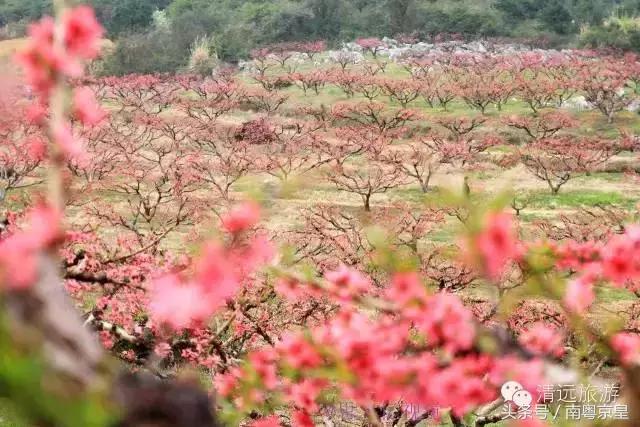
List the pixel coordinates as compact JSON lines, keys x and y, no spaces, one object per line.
{"x":609,"y":294}
{"x":604,"y":176}
{"x":578,"y":198}
{"x":9,"y":417}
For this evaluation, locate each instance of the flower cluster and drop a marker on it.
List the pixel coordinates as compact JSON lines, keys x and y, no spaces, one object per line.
{"x":615,"y":261}
{"x":50,"y":59}
{"x":421,"y":352}
{"x":20,"y":252}
{"x":495,"y":245}
{"x":181,"y":300}
{"x":47,"y":59}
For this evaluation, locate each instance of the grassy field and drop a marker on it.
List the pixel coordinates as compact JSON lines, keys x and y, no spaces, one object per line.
{"x":8,"y":416}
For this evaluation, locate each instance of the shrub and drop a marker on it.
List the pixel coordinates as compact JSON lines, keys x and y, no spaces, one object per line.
{"x":145,"y":53}
{"x":616,"y":32}
{"x":203,"y":58}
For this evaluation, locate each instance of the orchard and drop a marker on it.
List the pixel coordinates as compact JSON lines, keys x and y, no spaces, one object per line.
{"x":319,"y":238}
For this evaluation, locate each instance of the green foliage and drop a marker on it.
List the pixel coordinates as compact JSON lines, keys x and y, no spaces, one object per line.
{"x":238,"y":26}
{"x":9,"y":416}
{"x":23,"y":10}
{"x":432,"y":19}
{"x":576,"y":198}
{"x":564,"y":16}
{"x":125,"y":16}
{"x":31,"y":401}
{"x":620,"y":33}
{"x":154,"y":51}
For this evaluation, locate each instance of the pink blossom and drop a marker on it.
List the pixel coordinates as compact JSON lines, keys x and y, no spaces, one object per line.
{"x":298,"y":352}
{"x":226,"y":383}
{"x":162,"y":349}
{"x":36,"y":113}
{"x":446,"y":321}
{"x":460,"y":385}
{"x":406,"y":288}
{"x":64,"y":138}
{"x":42,"y":61}
{"x":82,"y":32}
{"x":178,"y":304}
{"x":216,"y":274}
{"x":529,"y":422}
{"x":44,"y":225}
{"x":36,"y":149}
{"x":241,"y":217}
{"x":304,"y":394}
{"x":38,"y":59}
{"x":262,"y":361}
{"x":370,"y":43}
{"x":627,"y":346}
{"x":19,"y":252}
{"x":290,"y":288}
{"x":18,"y":262}
{"x":86,"y":108}
{"x":579,"y":295}
{"x":529,"y":373}
{"x":272,"y":421}
{"x":346,"y":283}
{"x":618,"y":264}
{"x":543,"y":340}
{"x":498,"y":243}
{"x":259,"y":251}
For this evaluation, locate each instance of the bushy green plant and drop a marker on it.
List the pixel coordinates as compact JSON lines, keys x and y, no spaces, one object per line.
{"x":150,"y":52}
{"x":616,"y":32}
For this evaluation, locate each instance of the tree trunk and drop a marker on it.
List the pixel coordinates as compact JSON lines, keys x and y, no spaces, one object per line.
{"x":367,"y":202}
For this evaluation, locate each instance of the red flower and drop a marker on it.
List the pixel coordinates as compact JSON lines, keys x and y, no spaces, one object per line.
{"x":304,"y":394}
{"x":36,"y":149}
{"x":241,"y":217}
{"x":447,"y":322}
{"x":82,"y":32}
{"x":302,"y":419}
{"x":346,"y":283}
{"x":298,"y":352}
{"x":43,"y":61}
{"x":498,"y":243}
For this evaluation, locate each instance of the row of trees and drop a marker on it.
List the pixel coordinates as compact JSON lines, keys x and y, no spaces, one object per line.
{"x":364,"y":148}
{"x":608,"y":84}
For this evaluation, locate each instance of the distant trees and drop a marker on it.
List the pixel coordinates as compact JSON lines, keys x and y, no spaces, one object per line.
{"x":239,"y":30}
{"x":127,"y":16}
{"x":23,"y":10}
{"x":399,"y":15}
{"x":604,"y":84}
{"x":554,"y":14}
